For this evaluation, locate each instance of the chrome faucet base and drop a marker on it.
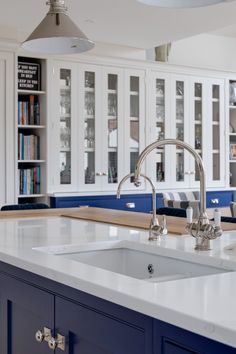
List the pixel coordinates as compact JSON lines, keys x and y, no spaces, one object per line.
{"x":202,"y":245}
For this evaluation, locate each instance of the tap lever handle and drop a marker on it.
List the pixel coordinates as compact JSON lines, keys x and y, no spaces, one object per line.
{"x":189,"y":214}
{"x":217,"y":217}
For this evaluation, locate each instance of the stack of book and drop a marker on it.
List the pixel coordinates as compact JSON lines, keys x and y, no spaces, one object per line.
{"x":29,"y":181}
{"x":28,"y":111}
{"x":28,"y":147}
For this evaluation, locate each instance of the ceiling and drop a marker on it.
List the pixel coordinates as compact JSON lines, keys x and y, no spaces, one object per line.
{"x":125,"y":22}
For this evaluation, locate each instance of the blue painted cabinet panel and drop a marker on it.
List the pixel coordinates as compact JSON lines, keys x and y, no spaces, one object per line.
{"x":93,"y":332}
{"x":91,"y":325}
{"x":170,"y":339}
{"x":90,"y":328}
{"x":24,"y":309}
{"x":142,"y":202}
{"x":219,"y":199}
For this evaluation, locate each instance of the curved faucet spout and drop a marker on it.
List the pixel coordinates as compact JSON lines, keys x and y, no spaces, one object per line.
{"x":197,"y":157}
{"x":155,"y":230}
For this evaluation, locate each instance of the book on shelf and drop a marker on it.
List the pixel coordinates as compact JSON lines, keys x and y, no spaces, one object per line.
{"x":29,"y":180}
{"x":28,"y":147}
{"x":28,"y":110}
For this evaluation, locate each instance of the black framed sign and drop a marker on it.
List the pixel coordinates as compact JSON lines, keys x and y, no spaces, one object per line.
{"x":28,"y":76}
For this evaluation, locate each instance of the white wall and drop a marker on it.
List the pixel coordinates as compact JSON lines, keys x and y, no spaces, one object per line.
{"x":205,"y":50}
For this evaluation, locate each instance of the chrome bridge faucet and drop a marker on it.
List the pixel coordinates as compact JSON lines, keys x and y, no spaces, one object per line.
{"x":155,"y":229}
{"x":201,"y":229}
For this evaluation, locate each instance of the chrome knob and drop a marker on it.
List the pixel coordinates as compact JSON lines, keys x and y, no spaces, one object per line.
{"x":44,"y":335}
{"x":52,"y":343}
{"x":39,"y":336}
{"x":58,"y":342}
{"x":99,"y":174}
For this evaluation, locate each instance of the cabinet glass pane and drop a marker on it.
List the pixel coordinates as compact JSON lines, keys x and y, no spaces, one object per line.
{"x":89,"y":127}
{"x":160,"y":165}
{"x":216,"y":132}
{"x":112,"y":127}
{"x":134,"y":121}
{"x":179,"y":130}
{"x":198,"y":122}
{"x":65,"y":126}
{"x":160,"y":129}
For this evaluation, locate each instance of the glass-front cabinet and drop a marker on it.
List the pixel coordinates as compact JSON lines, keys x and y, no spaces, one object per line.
{"x":102,"y":118}
{"x":62,"y":128}
{"x":98,"y":128}
{"x":207,"y":108}
{"x":191,"y":110}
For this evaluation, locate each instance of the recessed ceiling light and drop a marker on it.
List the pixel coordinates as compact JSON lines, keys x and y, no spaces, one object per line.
{"x":182,"y":3}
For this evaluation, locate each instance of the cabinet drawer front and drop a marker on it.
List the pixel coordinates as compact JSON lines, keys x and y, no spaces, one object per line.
{"x":219,"y":199}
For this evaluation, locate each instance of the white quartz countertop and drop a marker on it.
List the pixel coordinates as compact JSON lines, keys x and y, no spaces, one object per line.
{"x":205,"y":305}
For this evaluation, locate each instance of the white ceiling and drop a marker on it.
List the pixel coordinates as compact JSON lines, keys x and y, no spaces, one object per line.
{"x":125,"y":22}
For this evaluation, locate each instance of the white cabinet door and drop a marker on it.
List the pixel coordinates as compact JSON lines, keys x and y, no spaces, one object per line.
{"x":7,"y":153}
{"x":159,"y":127}
{"x":216,"y":152}
{"x":112,"y":120}
{"x":63,"y":128}
{"x":180,"y":127}
{"x":133,"y":122}
{"x":90,"y":124}
{"x":207,"y":134}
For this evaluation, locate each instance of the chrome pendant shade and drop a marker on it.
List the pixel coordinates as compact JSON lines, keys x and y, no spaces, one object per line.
{"x":57,"y":33}
{"x":182,"y":3}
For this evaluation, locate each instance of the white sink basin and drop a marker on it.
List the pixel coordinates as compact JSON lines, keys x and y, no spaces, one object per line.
{"x":120,"y":258}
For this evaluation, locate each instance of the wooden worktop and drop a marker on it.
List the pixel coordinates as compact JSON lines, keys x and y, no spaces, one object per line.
{"x":123,"y":218}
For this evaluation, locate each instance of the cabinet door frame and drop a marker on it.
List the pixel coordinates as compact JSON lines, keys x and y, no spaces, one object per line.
{"x":105,"y":185}
{"x":203,"y":81}
{"x":222,"y":152}
{"x":187,"y":127}
{"x":81,"y":129}
{"x":126,"y":126}
{"x":151,"y":127}
{"x":54,"y":128}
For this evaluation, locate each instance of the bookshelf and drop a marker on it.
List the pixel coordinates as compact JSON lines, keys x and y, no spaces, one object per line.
{"x":31,"y":130}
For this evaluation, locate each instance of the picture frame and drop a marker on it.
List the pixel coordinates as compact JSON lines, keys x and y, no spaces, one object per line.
{"x":232,"y":151}
{"x":29,"y":76}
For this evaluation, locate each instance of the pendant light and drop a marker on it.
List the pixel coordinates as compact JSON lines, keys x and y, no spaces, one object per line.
{"x":57,"y":33}
{"x":182,"y":3}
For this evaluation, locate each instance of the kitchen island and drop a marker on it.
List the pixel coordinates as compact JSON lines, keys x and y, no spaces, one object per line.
{"x":99,"y":311}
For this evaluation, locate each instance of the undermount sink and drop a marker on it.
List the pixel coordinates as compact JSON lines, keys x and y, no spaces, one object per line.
{"x":122,"y":259}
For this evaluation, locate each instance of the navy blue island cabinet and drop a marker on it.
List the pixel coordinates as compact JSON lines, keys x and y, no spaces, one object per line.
{"x":90,"y":325}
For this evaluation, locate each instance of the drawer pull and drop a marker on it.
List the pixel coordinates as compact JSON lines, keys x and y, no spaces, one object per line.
{"x":130,"y":205}
{"x":215,"y":201}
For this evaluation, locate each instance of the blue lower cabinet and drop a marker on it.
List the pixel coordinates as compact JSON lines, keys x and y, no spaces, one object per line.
{"x":130,"y":202}
{"x":85,"y":324}
{"x":89,"y":325}
{"x":170,"y":339}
